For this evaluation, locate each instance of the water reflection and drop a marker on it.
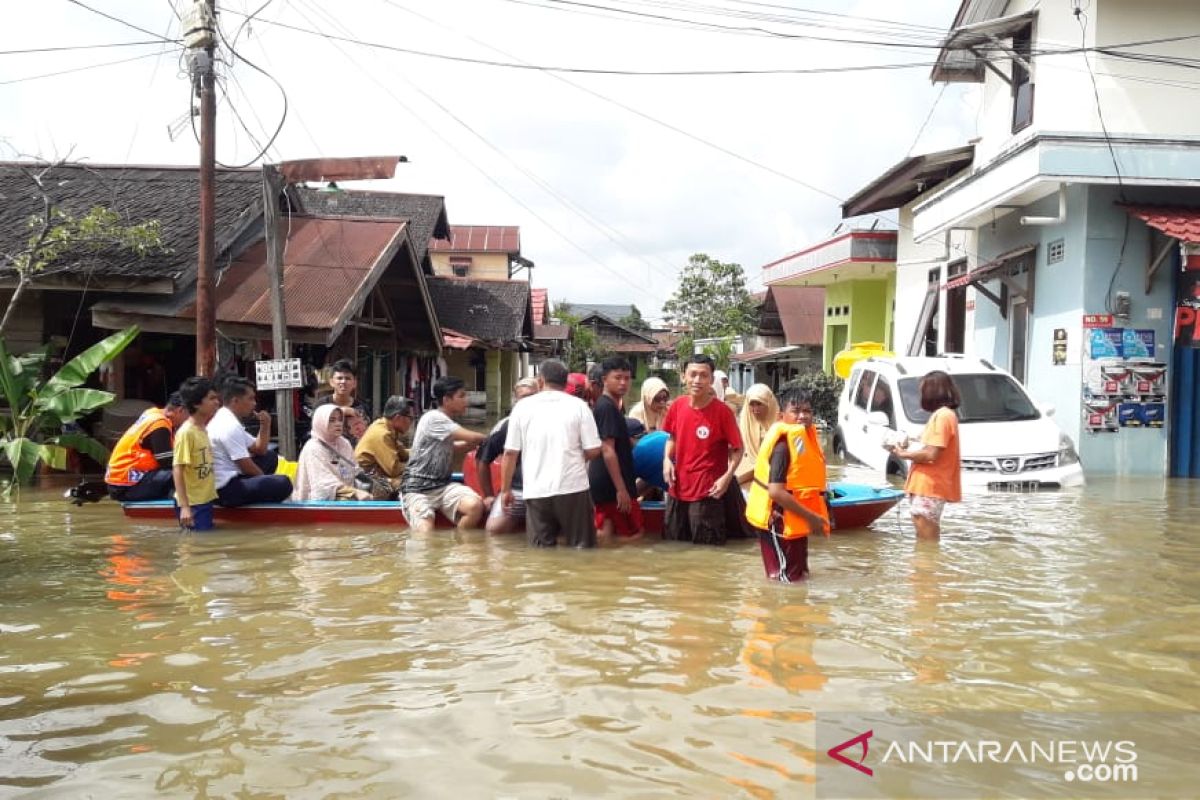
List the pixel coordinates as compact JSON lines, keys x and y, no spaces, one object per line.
{"x":375,"y":663}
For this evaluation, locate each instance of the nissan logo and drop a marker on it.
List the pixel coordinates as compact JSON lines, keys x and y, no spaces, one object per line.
{"x":1009,"y":465}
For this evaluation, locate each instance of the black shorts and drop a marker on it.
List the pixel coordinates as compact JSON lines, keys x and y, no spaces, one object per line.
{"x":707,"y":521}
{"x":571,"y":515}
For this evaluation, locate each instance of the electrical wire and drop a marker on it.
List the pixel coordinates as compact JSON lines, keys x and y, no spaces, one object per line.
{"x":87,"y":68}
{"x":486,"y":174}
{"x":121,"y":21}
{"x":71,"y":47}
{"x":1081,"y":18}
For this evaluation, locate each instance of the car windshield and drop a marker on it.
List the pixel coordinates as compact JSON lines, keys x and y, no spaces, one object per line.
{"x":985,"y":398}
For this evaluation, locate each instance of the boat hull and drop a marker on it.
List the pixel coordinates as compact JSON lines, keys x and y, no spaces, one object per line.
{"x":851,"y":506}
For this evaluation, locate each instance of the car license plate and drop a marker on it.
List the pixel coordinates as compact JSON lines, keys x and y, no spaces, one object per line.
{"x":1014,"y":486}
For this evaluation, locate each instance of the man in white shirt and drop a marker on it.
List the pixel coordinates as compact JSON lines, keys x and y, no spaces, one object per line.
{"x":243,"y":464}
{"x":555,"y":435}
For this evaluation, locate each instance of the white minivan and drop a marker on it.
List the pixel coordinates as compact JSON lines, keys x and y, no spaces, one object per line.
{"x":1008,"y":442}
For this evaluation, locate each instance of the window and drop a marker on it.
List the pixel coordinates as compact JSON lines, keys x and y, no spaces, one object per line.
{"x":1022,"y":80}
{"x":1056,"y":251}
{"x":862,"y":394}
{"x":986,"y":397}
{"x":881,"y":400}
{"x":460,"y":265}
{"x":925,"y":335}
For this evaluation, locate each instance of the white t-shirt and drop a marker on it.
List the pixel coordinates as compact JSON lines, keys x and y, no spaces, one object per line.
{"x":551,"y":429}
{"x":230,"y":442}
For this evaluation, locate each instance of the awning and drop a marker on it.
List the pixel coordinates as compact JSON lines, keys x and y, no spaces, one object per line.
{"x":755,"y":356}
{"x":458,"y":341}
{"x":991,"y":269}
{"x":1175,"y":221}
{"x":908,"y":180}
{"x":965,"y":52}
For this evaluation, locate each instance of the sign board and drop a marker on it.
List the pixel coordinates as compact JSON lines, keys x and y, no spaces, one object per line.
{"x":283,"y":373}
{"x":1097,"y":320}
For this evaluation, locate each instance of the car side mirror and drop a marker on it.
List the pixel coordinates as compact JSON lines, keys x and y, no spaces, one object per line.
{"x":878,"y":418}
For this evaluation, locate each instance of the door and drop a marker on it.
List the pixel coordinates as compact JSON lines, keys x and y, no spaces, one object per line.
{"x":864,"y":440}
{"x":1018,"y":344}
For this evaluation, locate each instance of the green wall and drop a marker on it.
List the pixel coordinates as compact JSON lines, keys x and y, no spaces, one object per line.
{"x":869,"y":318}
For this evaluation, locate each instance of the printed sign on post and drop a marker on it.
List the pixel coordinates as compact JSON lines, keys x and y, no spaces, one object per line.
{"x":282,"y":373}
{"x":1137,"y":343}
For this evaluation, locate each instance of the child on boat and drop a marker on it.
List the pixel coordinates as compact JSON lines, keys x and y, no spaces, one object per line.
{"x":787,"y":494}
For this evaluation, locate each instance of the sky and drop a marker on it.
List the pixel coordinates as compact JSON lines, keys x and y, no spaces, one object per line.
{"x":614,"y":179}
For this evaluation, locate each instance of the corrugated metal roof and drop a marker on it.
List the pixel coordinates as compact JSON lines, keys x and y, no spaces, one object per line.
{"x":1175,"y":221}
{"x":325,"y":264}
{"x":481,"y":239}
{"x":799,"y":311}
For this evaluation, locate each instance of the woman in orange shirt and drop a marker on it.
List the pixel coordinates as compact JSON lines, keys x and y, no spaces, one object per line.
{"x":936,"y":474}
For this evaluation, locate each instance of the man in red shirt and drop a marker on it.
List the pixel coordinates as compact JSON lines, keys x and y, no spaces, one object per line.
{"x":704,"y":502}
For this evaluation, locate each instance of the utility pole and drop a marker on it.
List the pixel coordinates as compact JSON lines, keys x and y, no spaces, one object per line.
{"x":200,"y":40}
{"x":272,"y":186}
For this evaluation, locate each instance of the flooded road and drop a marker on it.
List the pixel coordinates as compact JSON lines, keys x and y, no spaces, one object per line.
{"x":373,"y":663}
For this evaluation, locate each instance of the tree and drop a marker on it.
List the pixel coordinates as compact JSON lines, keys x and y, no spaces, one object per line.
{"x":31,"y":427}
{"x":633,"y":321}
{"x":721,"y":352}
{"x":711,"y":299}
{"x":58,"y":240}
{"x":584,"y":345}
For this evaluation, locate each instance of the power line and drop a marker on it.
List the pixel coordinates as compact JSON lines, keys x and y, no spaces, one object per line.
{"x":87,"y":68}
{"x":67,"y":48}
{"x":122,"y":22}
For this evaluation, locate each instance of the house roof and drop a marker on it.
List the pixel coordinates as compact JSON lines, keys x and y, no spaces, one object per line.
{"x":481,"y":239}
{"x":426,"y":213}
{"x":907,"y":180}
{"x":1175,"y":221}
{"x":551,"y":332}
{"x":540,"y":301}
{"x":796,"y":311}
{"x":495,"y":312}
{"x":608,"y":322}
{"x":330,"y":268}
{"x":615,"y":313}
{"x":138,"y":194}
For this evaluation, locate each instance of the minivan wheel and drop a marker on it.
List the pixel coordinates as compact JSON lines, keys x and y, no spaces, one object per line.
{"x":839,"y":445}
{"x":895,"y":469}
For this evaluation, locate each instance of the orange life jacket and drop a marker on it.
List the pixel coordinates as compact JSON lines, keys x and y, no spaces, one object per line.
{"x":805,"y":480}
{"x":130,"y":460}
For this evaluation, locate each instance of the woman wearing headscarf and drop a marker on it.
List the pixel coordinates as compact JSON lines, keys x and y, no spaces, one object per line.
{"x":655,"y":399}
{"x":758,"y":414}
{"x":327,"y":467}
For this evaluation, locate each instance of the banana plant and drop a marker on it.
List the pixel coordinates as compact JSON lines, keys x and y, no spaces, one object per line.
{"x":31,"y":427}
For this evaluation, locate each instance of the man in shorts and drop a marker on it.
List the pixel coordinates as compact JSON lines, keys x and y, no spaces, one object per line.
{"x":554,"y":433}
{"x":612,"y":477}
{"x":426,"y":485}
{"x":704,"y":502}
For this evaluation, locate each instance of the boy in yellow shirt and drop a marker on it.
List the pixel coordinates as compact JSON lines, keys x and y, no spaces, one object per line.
{"x":195,"y":486}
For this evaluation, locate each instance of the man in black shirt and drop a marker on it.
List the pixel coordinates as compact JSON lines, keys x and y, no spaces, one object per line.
{"x":499,"y":519}
{"x":612,"y":477}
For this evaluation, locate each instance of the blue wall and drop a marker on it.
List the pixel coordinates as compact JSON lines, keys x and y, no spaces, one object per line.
{"x":1093,"y":234}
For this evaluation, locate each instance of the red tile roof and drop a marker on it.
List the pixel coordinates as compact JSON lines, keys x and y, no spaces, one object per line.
{"x":1175,"y":221}
{"x":480,"y":239}
{"x":538,"y":299}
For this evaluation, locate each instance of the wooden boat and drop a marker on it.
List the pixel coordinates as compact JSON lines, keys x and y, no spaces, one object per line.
{"x":851,"y":506}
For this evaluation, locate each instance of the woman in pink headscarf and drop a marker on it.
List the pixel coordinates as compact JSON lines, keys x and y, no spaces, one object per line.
{"x":327,"y":468}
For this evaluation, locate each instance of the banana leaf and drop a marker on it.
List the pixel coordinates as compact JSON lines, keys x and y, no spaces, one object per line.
{"x":10,"y":385}
{"x":71,"y":404}
{"x":77,"y":370}
{"x":84,"y":444}
{"x":24,"y":455}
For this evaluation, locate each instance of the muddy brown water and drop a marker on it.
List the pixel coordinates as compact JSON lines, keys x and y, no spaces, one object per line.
{"x":137,"y":661}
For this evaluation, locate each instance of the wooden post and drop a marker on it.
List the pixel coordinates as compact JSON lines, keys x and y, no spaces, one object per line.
{"x":272,"y":185}
{"x":206,"y":317}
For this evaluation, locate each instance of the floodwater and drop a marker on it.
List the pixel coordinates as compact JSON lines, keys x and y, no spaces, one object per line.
{"x":137,"y":661}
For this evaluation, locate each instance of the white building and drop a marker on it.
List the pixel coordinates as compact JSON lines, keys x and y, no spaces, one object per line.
{"x":1043,"y":230}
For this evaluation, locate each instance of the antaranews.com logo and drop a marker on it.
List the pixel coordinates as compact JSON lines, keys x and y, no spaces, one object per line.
{"x":1032,"y":755}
